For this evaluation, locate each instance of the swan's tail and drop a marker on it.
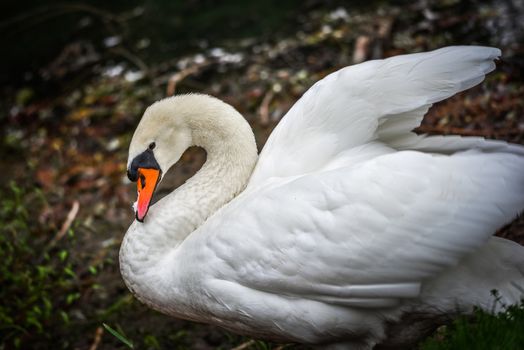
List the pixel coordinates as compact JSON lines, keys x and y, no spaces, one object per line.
{"x":498,"y":266}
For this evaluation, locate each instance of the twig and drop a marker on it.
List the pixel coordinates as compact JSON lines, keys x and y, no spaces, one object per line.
{"x":468,"y":132}
{"x":361,"y":50}
{"x":178,"y":77}
{"x":263,"y":111}
{"x":137,"y":61}
{"x":385,"y":25}
{"x":98,"y":337}
{"x":45,"y":13}
{"x":67,"y":223}
{"x":244,"y":345}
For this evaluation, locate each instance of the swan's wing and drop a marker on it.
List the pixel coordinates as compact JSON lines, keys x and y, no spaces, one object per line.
{"x":368,"y":235}
{"x":381,"y":99}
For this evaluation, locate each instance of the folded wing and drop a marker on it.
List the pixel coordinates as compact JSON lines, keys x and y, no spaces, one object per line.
{"x":346,"y":207}
{"x":370,"y":235}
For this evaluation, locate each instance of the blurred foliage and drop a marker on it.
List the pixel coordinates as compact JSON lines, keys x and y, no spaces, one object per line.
{"x":157,"y":30}
{"x":39,"y":284}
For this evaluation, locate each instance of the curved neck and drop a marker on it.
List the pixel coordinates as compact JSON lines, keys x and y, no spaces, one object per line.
{"x":223,"y":176}
{"x":231,"y":157}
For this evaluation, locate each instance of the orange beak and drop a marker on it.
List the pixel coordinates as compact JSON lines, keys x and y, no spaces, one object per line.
{"x":147,"y":181}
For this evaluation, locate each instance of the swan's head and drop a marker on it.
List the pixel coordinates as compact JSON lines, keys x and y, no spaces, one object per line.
{"x":159,"y":141}
{"x":172,"y":125}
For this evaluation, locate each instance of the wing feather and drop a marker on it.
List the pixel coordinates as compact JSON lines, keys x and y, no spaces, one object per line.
{"x":365,"y":102}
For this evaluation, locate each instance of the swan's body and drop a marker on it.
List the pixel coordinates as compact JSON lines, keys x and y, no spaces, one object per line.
{"x":347,"y":220}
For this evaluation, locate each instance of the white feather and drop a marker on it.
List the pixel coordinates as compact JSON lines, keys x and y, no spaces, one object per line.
{"x":378,"y":99}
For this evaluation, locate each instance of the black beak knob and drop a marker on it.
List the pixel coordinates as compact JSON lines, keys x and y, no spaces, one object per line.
{"x":132,"y":174}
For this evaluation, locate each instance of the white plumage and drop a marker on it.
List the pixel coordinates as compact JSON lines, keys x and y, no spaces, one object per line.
{"x":348,"y":219}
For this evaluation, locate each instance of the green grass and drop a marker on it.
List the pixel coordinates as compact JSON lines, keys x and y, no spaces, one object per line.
{"x":38,"y":282}
{"x":482,"y":331}
{"x":119,"y":336}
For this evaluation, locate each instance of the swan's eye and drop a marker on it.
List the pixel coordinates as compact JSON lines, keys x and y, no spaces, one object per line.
{"x":152,"y":145}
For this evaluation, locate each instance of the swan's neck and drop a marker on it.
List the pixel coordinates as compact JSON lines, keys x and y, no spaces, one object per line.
{"x":146,"y":255}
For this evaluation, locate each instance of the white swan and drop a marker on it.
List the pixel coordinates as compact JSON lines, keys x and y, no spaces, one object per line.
{"x":347,"y":222}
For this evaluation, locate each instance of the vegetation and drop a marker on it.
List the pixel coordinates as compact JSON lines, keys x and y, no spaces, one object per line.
{"x":482,"y":331}
{"x":39,"y":283}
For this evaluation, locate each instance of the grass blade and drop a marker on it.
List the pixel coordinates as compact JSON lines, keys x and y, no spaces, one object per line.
{"x":118,"y":336}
